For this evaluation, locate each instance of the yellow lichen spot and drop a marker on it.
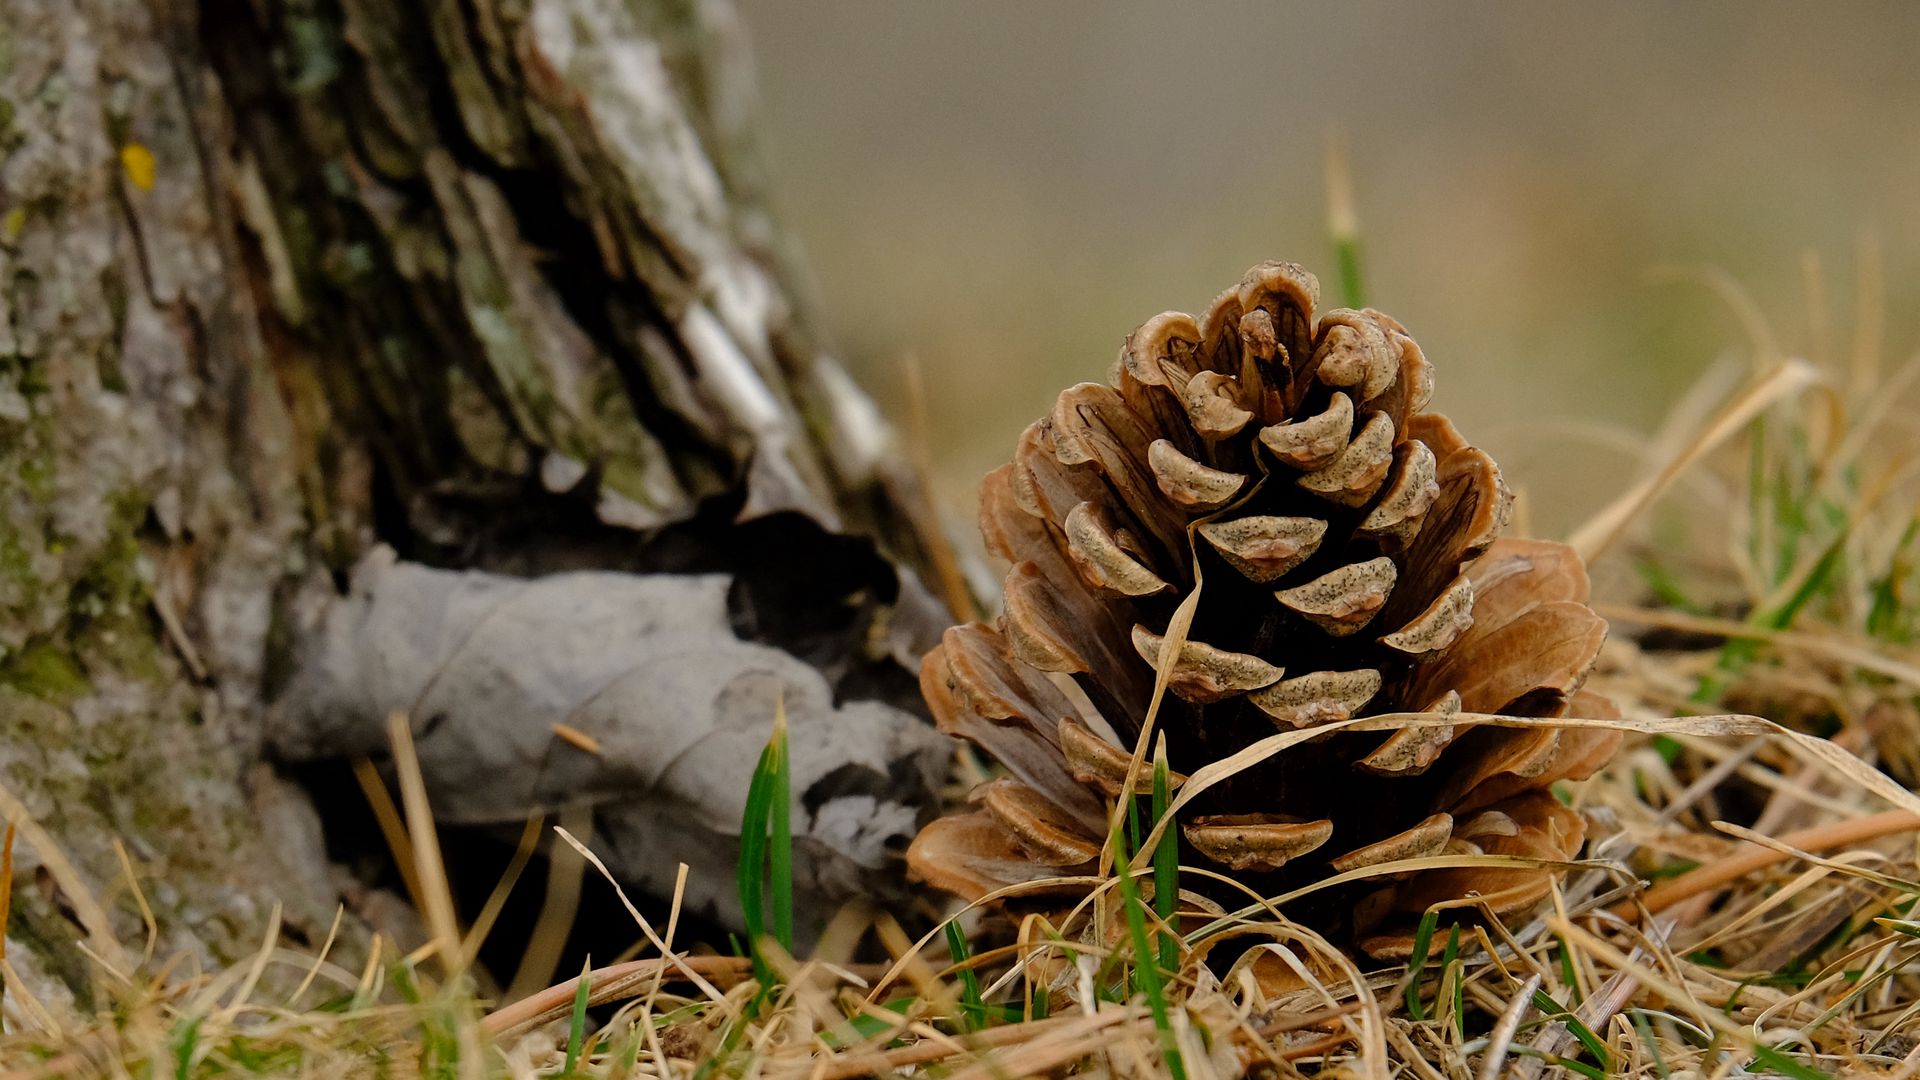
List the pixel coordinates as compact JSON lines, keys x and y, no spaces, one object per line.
{"x":139,"y":163}
{"x":13,"y":224}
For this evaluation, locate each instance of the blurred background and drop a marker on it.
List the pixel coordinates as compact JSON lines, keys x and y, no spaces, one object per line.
{"x":1003,"y":189}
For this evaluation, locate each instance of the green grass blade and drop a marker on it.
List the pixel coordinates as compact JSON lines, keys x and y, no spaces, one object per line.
{"x":781,"y":855}
{"x":629,"y":1057}
{"x":752,"y":868}
{"x":1146,"y":972}
{"x":1817,"y":580}
{"x":1735,"y":655}
{"x":1787,"y":1065}
{"x":1664,"y":585}
{"x":1166,"y":859}
{"x":1568,"y":976}
{"x":1647,"y":1039}
{"x":1554,"y":1010}
{"x":1346,"y":250}
{"x":1417,"y":963}
{"x":1343,"y":224}
{"x":973,"y":1008}
{"x":577,"y":1025}
{"x":1591,"y":1072}
{"x":184,"y":1047}
{"x":864,"y":1026}
{"x":766,"y":848}
{"x":1883,"y":616}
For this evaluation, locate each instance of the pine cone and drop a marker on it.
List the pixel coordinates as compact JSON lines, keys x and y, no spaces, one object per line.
{"x":1347,"y":544}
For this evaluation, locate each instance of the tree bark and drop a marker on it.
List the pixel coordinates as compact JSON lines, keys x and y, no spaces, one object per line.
{"x":490,"y":281}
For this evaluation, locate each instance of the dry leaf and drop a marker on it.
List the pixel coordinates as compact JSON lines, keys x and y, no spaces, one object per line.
{"x":645,"y":669}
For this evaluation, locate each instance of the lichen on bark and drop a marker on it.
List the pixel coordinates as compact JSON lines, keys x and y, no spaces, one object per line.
{"x":281,"y":278}
{"x":143,"y":523}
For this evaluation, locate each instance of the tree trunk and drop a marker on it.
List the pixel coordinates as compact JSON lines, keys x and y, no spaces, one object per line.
{"x":489,"y":281}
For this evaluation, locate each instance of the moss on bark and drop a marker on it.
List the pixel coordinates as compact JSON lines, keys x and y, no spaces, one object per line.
{"x":282,"y":277}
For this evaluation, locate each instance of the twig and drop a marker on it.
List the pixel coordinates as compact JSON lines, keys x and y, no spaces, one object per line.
{"x":1318,"y":1046}
{"x":1282,"y":1025}
{"x":611,"y":983}
{"x":1819,"y":838}
{"x":616,"y":982}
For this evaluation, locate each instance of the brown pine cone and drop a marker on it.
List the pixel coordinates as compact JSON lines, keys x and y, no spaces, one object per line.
{"x":1347,"y":544}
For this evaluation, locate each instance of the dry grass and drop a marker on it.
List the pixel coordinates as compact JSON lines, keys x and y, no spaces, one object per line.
{"x":1745,"y":907}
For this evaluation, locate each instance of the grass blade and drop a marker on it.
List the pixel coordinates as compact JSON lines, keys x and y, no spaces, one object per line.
{"x":1343,"y":224}
{"x":1554,"y":1010}
{"x":766,"y":848}
{"x":184,"y":1048}
{"x":1787,"y":1065}
{"x":973,"y":1007}
{"x":1589,"y":1071}
{"x":1166,"y":859}
{"x":1146,"y":972}
{"x":1417,"y":963}
{"x":1652,"y":1043}
{"x":577,"y":1023}
{"x":752,"y":867}
{"x":1884,"y":613}
{"x":1568,"y":976}
{"x":780,"y":857}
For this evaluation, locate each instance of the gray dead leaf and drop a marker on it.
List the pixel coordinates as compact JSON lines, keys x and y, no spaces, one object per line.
{"x":646,"y":667}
